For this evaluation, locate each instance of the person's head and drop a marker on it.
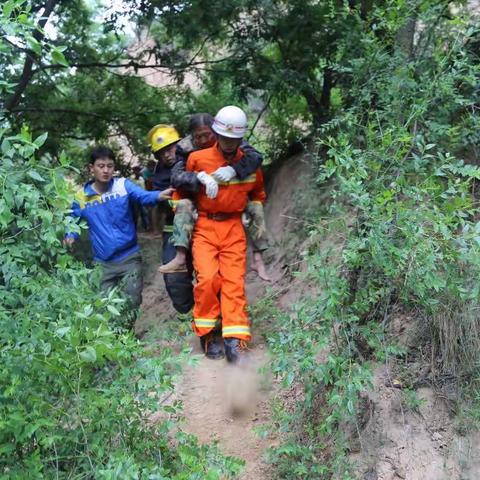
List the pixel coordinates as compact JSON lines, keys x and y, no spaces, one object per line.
{"x":230,"y":124}
{"x":102,"y":164}
{"x":163,"y":141}
{"x":200,"y":128}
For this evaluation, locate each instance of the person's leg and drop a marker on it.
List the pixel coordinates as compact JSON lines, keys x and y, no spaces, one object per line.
{"x":144,"y":217}
{"x":183,"y":224}
{"x":132,"y":273}
{"x":128,"y":276}
{"x":179,"y":286}
{"x":257,"y":233}
{"x":206,"y":291}
{"x":232,"y":267}
{"x":110,"y":276}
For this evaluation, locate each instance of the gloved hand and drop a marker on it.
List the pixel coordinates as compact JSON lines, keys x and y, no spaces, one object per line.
{"x":224,"y":174}
{"x":211,"y":186}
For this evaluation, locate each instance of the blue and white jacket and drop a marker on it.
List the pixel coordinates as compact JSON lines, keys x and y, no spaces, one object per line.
{"x":110,"y":218}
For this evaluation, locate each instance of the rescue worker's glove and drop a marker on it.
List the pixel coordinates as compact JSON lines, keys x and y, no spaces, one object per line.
{"x":224,"y":174}
{"x":211,"y":186}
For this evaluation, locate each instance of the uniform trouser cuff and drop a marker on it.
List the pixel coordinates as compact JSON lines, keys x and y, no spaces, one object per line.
{"x":203,"y":326}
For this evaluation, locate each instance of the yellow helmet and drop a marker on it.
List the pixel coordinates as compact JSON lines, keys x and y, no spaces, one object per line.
{"x":161,"y":136}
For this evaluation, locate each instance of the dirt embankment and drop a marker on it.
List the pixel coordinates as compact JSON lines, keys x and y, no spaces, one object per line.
{"x":224,"y":405}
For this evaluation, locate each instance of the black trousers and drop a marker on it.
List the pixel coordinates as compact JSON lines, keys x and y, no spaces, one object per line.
{"x":179,"y":285}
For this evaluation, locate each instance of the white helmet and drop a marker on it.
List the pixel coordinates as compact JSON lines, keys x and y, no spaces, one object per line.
{"x":230,"y":122}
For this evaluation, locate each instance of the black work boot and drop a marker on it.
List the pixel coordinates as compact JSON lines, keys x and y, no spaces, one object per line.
{"x":212,"y":346}
{"x":234,"y":349}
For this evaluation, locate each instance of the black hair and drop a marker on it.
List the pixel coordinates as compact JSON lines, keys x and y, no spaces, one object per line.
{"x":200,"y":120}
{"x":101,"y":152}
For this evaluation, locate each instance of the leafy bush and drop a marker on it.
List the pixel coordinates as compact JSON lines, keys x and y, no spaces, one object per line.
{"x":77,"y":390}
{"x":410,"y":240}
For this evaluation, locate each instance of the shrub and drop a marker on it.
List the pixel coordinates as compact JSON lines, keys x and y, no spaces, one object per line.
{"x":77,"y":389}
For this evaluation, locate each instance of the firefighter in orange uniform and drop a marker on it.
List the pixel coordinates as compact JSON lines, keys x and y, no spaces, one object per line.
{"x":219,"y":244}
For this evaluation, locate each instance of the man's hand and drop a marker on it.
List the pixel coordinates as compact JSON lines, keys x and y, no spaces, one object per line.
{"x":224,"y":174}
{"x":211,"y":186}
{"x":166,"y":194}
{"x":68,"y":242}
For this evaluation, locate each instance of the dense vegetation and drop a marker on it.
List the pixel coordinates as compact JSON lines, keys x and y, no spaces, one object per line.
{"x":387,"y":95}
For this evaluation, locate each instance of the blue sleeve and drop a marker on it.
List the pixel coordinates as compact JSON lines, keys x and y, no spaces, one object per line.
{"x":142,"y":196}
{"x":76,"y":213}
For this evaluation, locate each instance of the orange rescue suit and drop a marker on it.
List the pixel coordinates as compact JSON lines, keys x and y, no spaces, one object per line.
{"x":219,"y":247}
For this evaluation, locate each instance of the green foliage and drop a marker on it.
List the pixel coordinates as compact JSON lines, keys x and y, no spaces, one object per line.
{"x":77,"y":389}
{"x":409,"y":240}
{"x":410,"y":399}
{"x":84,"y":80}
{"x":416,"y":237}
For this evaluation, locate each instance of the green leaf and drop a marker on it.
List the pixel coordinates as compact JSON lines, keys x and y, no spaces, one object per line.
{"x":113,"y":310}
{"x":39,"y":141}
{"x":34,"y":45}
{"x":8,"y":8}
{"x":89,"y":354}
{"x":63,"y":159}
{"x":58,"y":57}
{"x":35,"y":175}
{"x":61,"y":332}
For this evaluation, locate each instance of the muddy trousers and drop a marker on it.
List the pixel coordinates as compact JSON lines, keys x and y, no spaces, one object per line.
{"x":179,"y":285}
{"x":219,"y":259}
{"x":128,"y":276}
{"x":256,"y":227}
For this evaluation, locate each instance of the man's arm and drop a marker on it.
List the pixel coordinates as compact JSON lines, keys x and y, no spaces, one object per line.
{"x":258,"y":192}
{"x":183,"y":180}
{"x":145,"y":197}
{"x":251,"y":160}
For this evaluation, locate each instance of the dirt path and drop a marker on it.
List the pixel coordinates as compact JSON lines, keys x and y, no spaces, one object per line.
{"x":221,"y":403}
{"x":224,"y":403}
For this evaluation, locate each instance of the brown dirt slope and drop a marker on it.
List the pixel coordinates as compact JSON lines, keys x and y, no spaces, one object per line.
{"x":223,"y":405}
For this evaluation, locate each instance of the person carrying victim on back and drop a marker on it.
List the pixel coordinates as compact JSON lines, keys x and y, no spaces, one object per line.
{"x":171,"y":153}
{"x":202,"y":136}
{"x":219,"y":243}
{"x":104,"y":203}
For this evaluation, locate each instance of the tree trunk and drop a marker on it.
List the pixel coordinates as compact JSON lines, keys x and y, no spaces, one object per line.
{"x":320,"y":107}
{"x":406,"y":34}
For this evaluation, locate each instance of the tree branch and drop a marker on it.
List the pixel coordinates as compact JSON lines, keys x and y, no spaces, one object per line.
{"x":259,"y":116}
{"x":28,"y":72}
{"x":70,"y":111}
{"x":136,"y":65}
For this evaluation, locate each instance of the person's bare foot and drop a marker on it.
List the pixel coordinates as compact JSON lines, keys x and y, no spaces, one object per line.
{"x":259,"y":267}
{"x":173,"y":266}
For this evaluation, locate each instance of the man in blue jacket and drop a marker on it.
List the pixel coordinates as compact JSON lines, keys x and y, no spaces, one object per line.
{"x":104,"y":203}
